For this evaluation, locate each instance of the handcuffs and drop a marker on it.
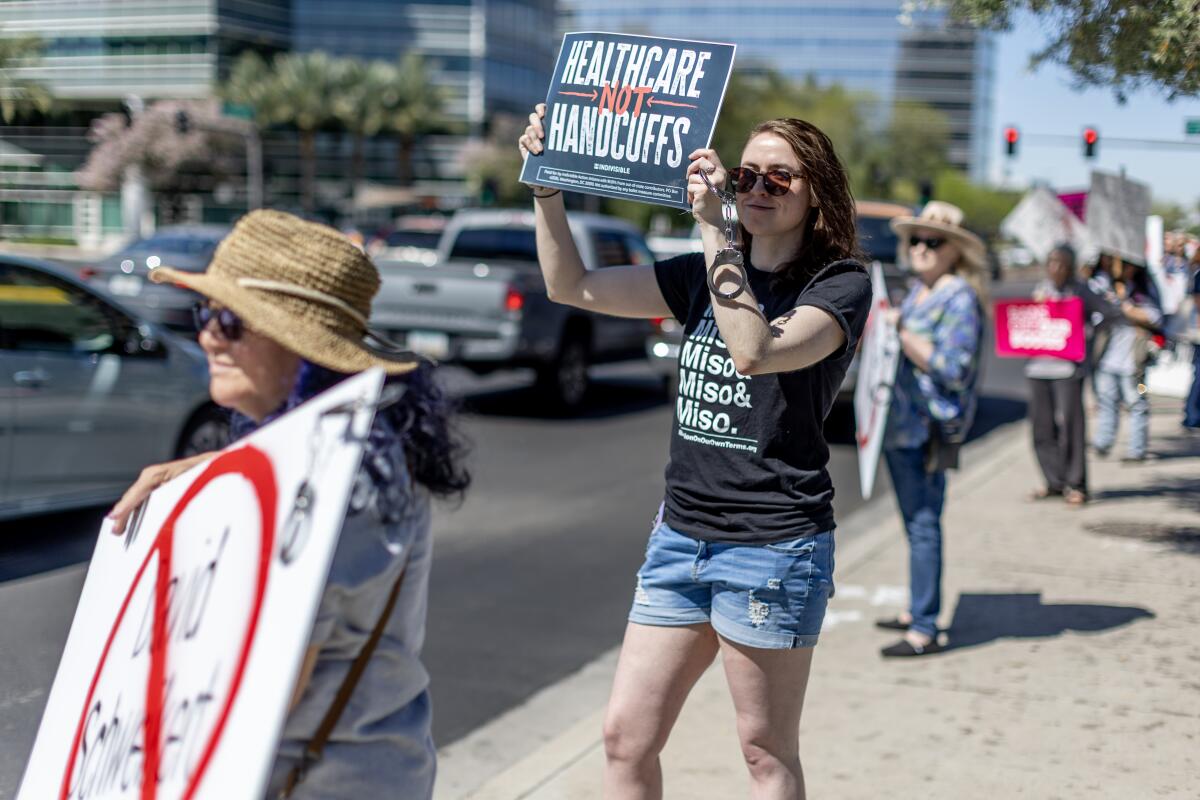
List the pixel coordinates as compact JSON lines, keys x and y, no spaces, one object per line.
{"x":729,"y":255}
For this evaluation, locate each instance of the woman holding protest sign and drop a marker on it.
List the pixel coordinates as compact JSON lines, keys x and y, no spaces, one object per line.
{"x":940,"y":325}
{"x":285,"y":317}
{"x":1123,"y":350}
{"x":1056,"y":389}
{"x":740,"y":558}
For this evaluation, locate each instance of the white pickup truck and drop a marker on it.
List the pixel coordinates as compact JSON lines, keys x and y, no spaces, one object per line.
{"x":482,"y":302}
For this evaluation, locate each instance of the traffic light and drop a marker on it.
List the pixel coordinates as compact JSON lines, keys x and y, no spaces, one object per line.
{"x":183,"y":123}
{"x":1011,"y":137}
{"x":1090,"y":139}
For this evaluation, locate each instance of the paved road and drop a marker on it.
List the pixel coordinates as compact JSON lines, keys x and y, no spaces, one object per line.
{"x":533,"y":575}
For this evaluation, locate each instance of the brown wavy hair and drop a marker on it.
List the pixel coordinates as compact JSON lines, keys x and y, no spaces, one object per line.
{"x":830,"y":233}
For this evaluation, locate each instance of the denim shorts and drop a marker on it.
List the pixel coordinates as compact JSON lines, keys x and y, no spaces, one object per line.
{"x":770,"y":596}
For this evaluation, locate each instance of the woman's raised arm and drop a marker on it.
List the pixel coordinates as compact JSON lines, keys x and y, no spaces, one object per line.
{"x":630,"y":291}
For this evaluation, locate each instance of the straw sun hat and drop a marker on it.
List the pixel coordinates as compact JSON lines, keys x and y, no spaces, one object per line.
{"x":947,"y":220}
{"x":301,"y":284}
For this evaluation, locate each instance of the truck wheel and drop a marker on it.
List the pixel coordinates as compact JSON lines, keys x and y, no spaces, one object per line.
{"x":564,"y":381}
{"x":207,"y":430}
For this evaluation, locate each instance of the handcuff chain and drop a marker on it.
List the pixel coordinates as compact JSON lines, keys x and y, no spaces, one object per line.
{"x":726,"y":199}
{"x":730,"y":256}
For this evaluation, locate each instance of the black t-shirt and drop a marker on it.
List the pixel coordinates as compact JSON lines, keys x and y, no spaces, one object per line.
{"x":748,"y":454}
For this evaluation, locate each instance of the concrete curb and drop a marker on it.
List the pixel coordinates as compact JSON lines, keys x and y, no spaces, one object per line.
{"x":529,"y":745}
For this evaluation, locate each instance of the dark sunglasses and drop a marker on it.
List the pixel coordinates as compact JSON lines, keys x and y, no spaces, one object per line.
{"x":776,"y":182}
{"x":931,"y":242}
{"x":228,"y":322}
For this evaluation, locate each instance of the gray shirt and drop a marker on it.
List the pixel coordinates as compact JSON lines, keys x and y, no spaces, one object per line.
{"x":381,"y":745}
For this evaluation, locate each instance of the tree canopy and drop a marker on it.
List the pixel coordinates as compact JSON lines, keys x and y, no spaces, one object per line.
{"x":19,"y":94}
{"x":170,"y":159}
{"x":1124,"y":45}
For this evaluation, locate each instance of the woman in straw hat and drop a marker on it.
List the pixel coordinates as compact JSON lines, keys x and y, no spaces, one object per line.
{"x":940,"y":325}
{"x":284,"y":318}
{"x":740,"y":557}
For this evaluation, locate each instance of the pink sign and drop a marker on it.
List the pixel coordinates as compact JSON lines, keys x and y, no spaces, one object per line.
{"x":1077,"y":202}
{"x":1027,"y":328}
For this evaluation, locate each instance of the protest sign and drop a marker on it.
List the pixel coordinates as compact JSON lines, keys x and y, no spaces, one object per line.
{"x":878,"y":359}
{"x":1031,"y":328}
{"x":1170,"y":275}
{"x":623,"y":113}
{"x":1117,"y":208}
{"x":185,"y":648}
{"x":1041,"y":222}
{"x":1076,"y":201}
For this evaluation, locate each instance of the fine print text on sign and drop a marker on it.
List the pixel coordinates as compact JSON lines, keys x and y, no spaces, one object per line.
{"x":1054,"y":328}
{"x":623,"y":113}
{"x":189,"y":634}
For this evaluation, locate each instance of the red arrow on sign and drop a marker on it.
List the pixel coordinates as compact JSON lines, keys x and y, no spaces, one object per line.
{"x":591,"y":96}
{"x":652,"y":102}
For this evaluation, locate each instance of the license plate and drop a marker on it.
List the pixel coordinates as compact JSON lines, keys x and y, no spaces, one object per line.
{"x":429,"y":344}
{"x":125,"y":285}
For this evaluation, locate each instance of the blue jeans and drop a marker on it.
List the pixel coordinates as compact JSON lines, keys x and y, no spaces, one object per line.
{"x":769,"y":596}
{"x":920,"y":496}
{"x":1112,"y":390}
{"x":1191,"y":410}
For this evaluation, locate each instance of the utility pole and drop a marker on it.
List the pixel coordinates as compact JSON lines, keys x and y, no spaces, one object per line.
{"x":254,"y":154}
{"x":136,"y":216}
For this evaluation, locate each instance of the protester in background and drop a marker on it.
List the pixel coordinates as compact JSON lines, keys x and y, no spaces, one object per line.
{"x":285,"y":317}
{"x":1056,"y":389}
{"x":740,"y":558}
{"x":1191,"y":411}
{"x":933,"y":401}
{"x":1122,"y":352}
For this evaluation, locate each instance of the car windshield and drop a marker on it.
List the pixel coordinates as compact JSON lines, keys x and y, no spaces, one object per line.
{"x":427,"y":239}
{"x":506,"y":244}
{"x":181,"y":245}
{"x":877,"y":239}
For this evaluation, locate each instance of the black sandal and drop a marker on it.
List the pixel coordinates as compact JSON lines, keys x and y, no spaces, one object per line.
{"x":906,"y":649}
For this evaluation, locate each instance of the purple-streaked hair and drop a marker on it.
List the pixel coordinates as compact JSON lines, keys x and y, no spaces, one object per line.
{"x":421,"y":419}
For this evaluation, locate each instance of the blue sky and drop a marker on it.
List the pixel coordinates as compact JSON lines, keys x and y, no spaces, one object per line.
{"x":1043,"y":102}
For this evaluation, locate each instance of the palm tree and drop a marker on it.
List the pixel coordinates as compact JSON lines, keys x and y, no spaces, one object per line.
{"x":251,"y":84}
{"x":304,"y":83}
{"x":367,"y":95}
{"x":417,"y":112}
{"x":18,"y":94}
{"x":293,"y":90}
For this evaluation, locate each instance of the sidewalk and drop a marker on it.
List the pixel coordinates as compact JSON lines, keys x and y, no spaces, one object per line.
{"x":1074,"y":669}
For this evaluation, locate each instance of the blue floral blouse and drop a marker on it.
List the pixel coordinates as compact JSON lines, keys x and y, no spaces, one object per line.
{"x":951,"y":317}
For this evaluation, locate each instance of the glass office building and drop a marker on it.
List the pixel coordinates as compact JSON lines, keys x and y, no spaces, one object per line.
{"x":864,"y":45}
{"x":489,"y":55}
{"x":98,"y":50}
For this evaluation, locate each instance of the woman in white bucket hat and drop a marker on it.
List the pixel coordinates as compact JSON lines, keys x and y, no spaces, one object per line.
{"x":940,"y":326}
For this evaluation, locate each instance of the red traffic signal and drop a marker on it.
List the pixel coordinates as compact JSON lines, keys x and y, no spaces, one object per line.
{"x":1011,"y":137}
{"x":1090,"y":139}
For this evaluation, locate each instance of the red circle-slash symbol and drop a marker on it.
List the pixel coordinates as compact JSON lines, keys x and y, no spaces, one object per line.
{"x":254,"y":465}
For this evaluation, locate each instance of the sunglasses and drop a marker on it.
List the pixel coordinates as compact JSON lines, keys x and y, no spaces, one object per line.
{"x":776,"y":182}
{"x":930,"y":242}
{"x":229,"y":323}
